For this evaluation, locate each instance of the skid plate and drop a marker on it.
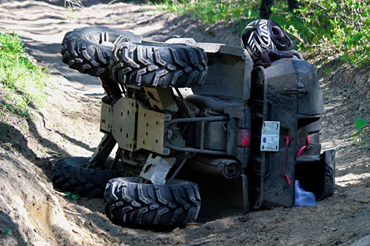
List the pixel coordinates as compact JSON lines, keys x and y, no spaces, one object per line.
{"x":105,"y":118}
{"x":123,"y":123}
{"x":150,"y":130}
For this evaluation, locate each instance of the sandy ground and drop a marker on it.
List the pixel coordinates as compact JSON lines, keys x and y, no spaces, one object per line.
{"x":32,"y":213}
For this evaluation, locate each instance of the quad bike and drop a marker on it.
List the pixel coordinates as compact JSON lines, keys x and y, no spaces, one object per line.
{"x":200,"y":112}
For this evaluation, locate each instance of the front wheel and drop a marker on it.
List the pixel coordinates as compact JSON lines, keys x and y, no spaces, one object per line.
{"x":129,"y":202}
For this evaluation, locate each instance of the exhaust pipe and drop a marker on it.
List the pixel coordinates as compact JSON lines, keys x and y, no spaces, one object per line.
{"x":227,"y":168}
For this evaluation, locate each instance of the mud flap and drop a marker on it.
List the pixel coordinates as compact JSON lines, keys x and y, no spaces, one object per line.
{"x":318,"y":177}
{"x":246,"y":203}
{"x":328,"y":160}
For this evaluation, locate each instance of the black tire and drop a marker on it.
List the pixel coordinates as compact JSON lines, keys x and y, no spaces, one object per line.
{"x":128,"y":202}
{"x":152,"y":65}
{"x":88,"y":49}
{"x":71,"y":175}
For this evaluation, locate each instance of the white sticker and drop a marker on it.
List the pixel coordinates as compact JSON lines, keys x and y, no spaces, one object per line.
{"x":270,"y":136}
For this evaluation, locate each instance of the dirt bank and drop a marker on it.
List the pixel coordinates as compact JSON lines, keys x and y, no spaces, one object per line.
{"x":32,"y":213}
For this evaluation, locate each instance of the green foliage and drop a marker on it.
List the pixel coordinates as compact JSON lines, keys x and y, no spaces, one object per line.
{"x":330,"y":28}
{"x":73,"y":196}
{"x":71,"y":7}
{"x":360,"y":124}
{"x":76,"y":197}
{"x":336,"y":28}
{"x":211,"y":11}
{"x":21,"y":81}
{"x":361,"y":133}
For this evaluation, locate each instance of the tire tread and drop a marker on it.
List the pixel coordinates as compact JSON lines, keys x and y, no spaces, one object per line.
{"x":70,"y":177}
{"x":83,"y":52}
{"x":155,"y":65}
{"x":171,"y":205}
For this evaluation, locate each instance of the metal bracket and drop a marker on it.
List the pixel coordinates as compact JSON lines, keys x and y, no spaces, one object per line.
{"x":105,"y":117}
{"x":296,"y":91}
{"x":156,"y":169}
{"x":161,"y":98}
{"x":102,"y":151}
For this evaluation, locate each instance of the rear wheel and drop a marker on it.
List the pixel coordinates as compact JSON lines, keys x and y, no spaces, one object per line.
{"x":71,"y":175}
{"x":129,"y":202}
{"x":159,"y":64}
{"x":88,"y":49}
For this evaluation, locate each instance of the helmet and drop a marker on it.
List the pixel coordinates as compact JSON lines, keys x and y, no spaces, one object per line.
{"x":261,"y":36}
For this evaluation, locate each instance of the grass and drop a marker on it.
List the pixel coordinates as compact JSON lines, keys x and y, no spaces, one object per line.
{"x":362,"y":132}
{"x":22,"y":83}
{"x":71,"y":7}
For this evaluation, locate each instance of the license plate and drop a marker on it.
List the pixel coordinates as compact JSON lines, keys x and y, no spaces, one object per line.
{"x":270,"y":136}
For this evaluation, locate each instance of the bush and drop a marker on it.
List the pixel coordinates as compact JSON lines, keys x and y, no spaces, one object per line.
{"x":212,"y":11}
{"x":339,"y":28}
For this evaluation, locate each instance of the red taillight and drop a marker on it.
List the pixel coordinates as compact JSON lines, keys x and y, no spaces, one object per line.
{"x":244,"y":137}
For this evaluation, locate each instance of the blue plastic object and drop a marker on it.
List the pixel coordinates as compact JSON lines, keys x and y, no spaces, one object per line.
{"x":302,"y":197}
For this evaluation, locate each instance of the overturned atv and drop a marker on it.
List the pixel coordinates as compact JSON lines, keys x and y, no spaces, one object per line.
{"x":200,"y":112}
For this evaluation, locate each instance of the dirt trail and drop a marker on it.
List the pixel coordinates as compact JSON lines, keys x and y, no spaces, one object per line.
{"x":32,"y":213}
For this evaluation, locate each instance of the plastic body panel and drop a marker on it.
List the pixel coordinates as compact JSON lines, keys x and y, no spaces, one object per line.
{"x":229,"y":72}
{"x":289,"y":92}
{"x":319,"y":176}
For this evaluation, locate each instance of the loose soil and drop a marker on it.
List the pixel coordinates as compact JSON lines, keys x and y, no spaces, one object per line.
{"x":33,"y":213}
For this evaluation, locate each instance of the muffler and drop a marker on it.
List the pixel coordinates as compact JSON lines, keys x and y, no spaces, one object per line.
{"x":227,"y":168}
